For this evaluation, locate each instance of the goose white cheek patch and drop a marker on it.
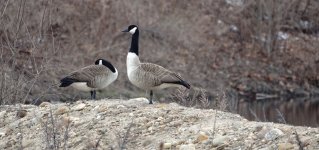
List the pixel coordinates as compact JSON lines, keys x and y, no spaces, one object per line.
{"x":132,"y":31}
{"x":100,"y":62}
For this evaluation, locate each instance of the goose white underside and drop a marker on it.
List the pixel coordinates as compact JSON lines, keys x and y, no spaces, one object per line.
{"x":82,"y":86}
{"x":165,"y":85}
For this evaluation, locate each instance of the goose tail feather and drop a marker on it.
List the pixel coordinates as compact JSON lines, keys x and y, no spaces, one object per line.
{"x":181,"y":82}
{"x":66,"y":82}
{"x":185,"y":84}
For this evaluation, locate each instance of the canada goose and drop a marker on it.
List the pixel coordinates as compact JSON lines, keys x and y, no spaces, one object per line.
{"x":148,"y":76}
{"x":91,"y":78}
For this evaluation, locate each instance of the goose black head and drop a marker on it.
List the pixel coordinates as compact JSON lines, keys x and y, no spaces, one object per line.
{"x":131,"y":29}
{"x":105,"y":63}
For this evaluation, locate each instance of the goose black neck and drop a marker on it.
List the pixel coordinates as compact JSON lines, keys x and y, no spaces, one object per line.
{"x":134,"y":42}
{"x":109,"y":65}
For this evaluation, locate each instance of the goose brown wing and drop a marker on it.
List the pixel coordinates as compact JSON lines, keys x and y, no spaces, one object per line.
{"x":154,"y":69}
{"x":90,"y":74}
{"x":160,"y":73}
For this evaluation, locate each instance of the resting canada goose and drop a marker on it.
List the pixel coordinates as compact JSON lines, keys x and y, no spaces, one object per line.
{"x":148,"y":76}
{"x":92,"y":78}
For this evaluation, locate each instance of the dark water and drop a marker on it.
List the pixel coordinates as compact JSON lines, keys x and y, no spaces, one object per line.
{"x":301,"y":112}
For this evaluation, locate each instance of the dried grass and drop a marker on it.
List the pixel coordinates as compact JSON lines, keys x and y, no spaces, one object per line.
{"x":41,"y":41}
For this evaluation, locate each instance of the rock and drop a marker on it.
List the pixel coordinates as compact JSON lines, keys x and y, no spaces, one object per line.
{"x":99,"y":117}
{"x":193,"y":129}
{"x":138,"y":100}
{"x":160,"y":118}
{"x":167,"y":145}
{"x":27,"y":143}
{"x":89,"y":144}
{"x":120,"y":106}
{"x":261,"y":132}
{"x":285,"y":146}
{"x":150,"y":128}
{"x":21,"y":113}
{"x":187,"y":147}
{"x":44,"y":104}
{"x":265,"y":148}
{"x":257,"y":128}
{"x":19,"y":135}
{"x":79,"y":107}
{"x":79,"y":102}
{"x":62,"y":110}
{"x":147,"y":142}
{"x":202,"y":137}
{"x":2,"y":114}
{"x":2,"y":134}
{"x":8,"y":131}
{"x":76,"y":121}
{"x":220,"y":140}
{"x":65,"y":121}
{"x":273,"y":134}
{"x":305,"y":140}
{"x":220,"y":147}
{"x":102,"y":108}
{"x":251,"y":136}
{"x":148,"y":124}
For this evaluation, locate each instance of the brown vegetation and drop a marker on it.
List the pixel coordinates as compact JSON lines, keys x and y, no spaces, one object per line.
{"x":213,"y":44}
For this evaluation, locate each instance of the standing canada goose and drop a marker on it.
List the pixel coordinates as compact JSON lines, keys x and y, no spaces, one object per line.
{"x":148,"y":76}
{"x":91,"y":78}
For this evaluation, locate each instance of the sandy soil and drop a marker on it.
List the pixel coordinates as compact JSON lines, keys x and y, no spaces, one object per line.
{"x":134,"y":124}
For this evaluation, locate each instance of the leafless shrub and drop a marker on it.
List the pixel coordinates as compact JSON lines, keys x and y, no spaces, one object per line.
{"x":125,"y":137}
{"x":281,"y":117}
{"x":254,"y":114}
{"x":23,"y":70}
{"x":283,"y":120}
{"x":226,"y":100}
{"x":261,"y":21}
{"x":20,"y":134}
{"x":56,"y":132}
{"x":214,"y":126}
{"x":58,"y":37}
{"x":300,"y":144}
{"x":195,"y":97}
{"x":97,"y":144}
{"x":222,"y":101}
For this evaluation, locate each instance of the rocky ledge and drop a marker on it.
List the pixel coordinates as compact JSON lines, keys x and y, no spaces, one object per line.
{"x":134,"y":124}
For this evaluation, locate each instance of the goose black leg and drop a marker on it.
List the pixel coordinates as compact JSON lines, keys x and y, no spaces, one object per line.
{"x":151,"y":97}
{"x":93,"y":94}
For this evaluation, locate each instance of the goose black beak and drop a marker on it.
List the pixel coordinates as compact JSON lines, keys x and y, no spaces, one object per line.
{"x":126,"y":30}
